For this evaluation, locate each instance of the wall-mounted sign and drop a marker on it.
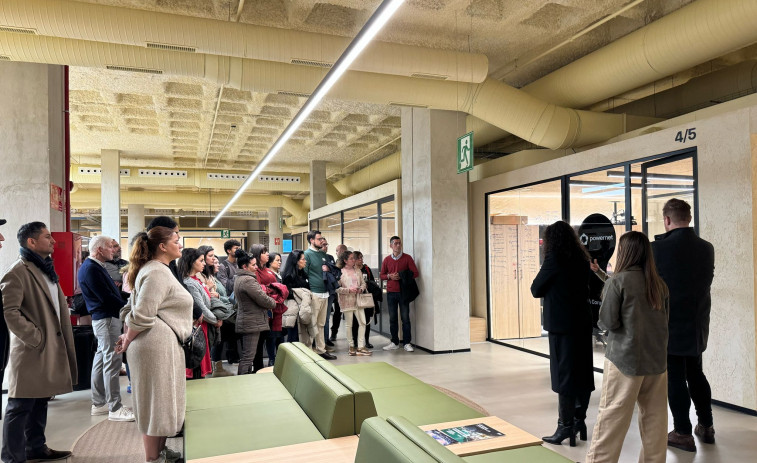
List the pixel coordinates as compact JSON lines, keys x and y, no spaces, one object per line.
{"x":56,"y":197}
{"x":597,"y":234}
{"x":277,"y":241}
{"x":225,"y":233}
{"x":465,"y":153}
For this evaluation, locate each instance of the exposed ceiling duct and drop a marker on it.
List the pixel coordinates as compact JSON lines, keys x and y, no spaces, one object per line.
{"x":698,"y":32}
{"x":90,"y":199}
{"x":108,"y":24}
{"x":700,"y":92}
{"x":510,"y":109}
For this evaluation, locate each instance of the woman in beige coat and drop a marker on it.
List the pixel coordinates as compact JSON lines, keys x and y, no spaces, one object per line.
{"x":159,"y":315}
{"x":351,"y":283}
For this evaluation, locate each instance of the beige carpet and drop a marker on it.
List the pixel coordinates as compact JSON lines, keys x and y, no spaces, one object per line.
{"x":113,"y":442}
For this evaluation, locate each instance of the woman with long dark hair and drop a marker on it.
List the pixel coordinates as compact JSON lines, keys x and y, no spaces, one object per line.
{"x":252,"y":306}
{"x":295,"y":278}
{"x":191,"y":263}
{"x":635,"y":312}
{"x":158,"y":315}
{"x":563,"y":283}
{"x":221,"y":307}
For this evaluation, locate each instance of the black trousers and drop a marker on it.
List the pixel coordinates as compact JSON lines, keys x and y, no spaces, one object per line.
{"x":336,"y":318}
{"x":23,"y":428}
{"x":687,"y":383}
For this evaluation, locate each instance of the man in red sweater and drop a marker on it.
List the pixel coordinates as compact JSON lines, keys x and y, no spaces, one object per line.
{"x":393,"y":265}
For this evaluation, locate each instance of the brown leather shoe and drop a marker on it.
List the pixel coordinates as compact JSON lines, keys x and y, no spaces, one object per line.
{"x":707,"y":434}
{"x":681,"y":441}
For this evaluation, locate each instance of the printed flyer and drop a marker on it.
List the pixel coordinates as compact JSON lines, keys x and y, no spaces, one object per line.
{"x":460,"y":434}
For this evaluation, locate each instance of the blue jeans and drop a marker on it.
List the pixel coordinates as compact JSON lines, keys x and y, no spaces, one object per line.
{"x":393,"y":300}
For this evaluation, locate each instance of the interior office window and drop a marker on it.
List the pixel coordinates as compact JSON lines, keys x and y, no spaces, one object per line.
{"x":331,"y":229}
{"x":517,"y":220}
{"x":388,"y":229}
{"x":662,"y":180}
{"x":361,"y":232}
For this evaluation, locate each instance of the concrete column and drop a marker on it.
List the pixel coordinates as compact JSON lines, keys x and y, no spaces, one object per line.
{"x":274,"y":230}
{"x":31,"y":149}
{"x":435,"y":227}
{"x":318,"y":187}
{"x":136,"y":222}
{"x":110,"y":202}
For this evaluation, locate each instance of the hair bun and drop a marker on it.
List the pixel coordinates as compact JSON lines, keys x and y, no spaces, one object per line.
{"x":239,"y":253}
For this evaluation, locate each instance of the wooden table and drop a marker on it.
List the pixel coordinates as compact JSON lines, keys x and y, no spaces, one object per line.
{"x":339,"y":450}
{"x":513,"y":437}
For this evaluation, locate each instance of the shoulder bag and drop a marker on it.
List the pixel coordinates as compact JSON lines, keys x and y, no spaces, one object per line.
{"x":365,"y":300}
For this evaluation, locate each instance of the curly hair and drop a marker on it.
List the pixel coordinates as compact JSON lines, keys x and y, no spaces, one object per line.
{"x":561,"y":240}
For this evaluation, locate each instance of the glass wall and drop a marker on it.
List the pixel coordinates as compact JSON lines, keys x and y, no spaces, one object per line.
{"x":517,"y":219}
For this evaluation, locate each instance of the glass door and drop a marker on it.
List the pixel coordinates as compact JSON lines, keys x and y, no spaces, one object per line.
{"x":666,"y":179}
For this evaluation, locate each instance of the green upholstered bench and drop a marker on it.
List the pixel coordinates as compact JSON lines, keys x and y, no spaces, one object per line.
{"x":398,"y":393}
{"x":397,"y":440}
{"x":301,"y":402}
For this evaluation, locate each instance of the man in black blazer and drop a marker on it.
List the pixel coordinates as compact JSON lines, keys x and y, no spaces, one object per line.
{"x":687,"y":264}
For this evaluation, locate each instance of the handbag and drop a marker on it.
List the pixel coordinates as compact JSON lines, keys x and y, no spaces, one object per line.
{"x":365,"y":300}
{"x":194,"y":348}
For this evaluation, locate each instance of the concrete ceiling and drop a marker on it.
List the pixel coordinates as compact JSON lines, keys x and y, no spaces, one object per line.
{"x":171,"y":122}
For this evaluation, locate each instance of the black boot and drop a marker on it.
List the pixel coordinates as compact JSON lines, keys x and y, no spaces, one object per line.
{"x":579,"y":426}
{"x":561,"y":433}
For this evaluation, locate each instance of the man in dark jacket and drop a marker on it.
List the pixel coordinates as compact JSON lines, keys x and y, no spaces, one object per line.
{"x":687,"y":264}
{"x":103,"y":300}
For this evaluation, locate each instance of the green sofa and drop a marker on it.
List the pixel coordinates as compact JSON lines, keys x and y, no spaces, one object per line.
{"x":305,"y":399}
{"x":397,"y":440}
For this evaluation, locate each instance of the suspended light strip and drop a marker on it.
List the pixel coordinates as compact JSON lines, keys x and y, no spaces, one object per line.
{"x":374,"y":24}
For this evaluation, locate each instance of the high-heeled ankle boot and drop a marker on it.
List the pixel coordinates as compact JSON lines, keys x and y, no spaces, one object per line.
{"x":579,"y":426}
{"x":561,"y":433}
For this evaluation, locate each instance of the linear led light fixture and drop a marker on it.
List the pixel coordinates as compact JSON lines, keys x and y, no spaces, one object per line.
{"x":374,"y":24}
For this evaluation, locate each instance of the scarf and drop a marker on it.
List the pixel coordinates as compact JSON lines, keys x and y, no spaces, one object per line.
{"x":45,"y":265}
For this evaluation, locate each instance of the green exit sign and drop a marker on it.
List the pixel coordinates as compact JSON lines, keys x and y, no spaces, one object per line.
{"x":465,"y":153}
{"x":225,"y":233}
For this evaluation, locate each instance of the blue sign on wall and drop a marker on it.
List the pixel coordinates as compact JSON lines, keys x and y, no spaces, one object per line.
{"x":287,"y":246}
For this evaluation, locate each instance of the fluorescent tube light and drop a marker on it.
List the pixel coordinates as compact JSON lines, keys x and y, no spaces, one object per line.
{"x":374,"y":24}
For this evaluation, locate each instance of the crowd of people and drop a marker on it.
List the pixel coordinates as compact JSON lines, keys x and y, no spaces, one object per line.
{"x":655,"y":307}
{"x":142,"y":310}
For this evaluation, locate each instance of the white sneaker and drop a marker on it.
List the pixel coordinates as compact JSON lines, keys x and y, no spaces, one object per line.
{"x":391,"y":346}
{"x":122,"y":414}
{"x":101,"y":410}
{"x":409,"y":347}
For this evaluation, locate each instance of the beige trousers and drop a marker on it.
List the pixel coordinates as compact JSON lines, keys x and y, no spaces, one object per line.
{"x":619,"y":394}
{"x":319,"y":306}
{"x":359,"y":314}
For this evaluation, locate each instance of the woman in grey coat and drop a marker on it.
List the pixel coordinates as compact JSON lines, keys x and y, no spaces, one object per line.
{"x":252,"y":305}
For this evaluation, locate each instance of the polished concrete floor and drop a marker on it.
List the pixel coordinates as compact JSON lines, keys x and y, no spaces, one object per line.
{"x":508,"y":383}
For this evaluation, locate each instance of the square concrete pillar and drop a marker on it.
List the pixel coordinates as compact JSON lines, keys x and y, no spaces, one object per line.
{"x":435,"y":228}
{"x":32,"y":150}
{"x":275,"y":232}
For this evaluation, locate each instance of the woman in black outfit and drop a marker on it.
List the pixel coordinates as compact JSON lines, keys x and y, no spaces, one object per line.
{"x":563,"y":283}
{"x":294,"y":276}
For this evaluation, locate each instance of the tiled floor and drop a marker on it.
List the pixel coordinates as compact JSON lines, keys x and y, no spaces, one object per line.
{"x":508,"y":383}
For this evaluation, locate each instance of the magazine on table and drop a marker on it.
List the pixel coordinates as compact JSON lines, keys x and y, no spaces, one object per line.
{"x":461,"y":434}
